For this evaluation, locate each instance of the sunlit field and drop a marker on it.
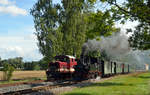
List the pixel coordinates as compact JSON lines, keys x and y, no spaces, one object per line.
{"x":21,"y":76}
{"x":134,"y":84}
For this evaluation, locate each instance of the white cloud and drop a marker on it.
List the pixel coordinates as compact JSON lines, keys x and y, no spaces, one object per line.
{"x":9,"y":52}
{"x":17,"y":44}
{"x":8,"y":7}
{"x":4,"y":2}
{"x":19,"y":51}
{"x":13,"y":10}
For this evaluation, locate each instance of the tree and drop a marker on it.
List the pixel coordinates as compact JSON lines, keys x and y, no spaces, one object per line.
{"x":134,"y":10}
{"x":59,"y":29}
{"x":101,"y":24}
{"x":0,"y":62}
{"x":64,"y":28}
{"x":34,"y":65}
{"x":73,"y":26}
{"x":8,"y":71}
{"x":28,"y":66}
{"x":43,"y":64}
{"x":16,"y":62}
{"x":47,"y":31}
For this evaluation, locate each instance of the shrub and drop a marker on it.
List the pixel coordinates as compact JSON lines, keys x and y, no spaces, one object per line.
{"x":36,"y":67}
{"x":8,"y":71}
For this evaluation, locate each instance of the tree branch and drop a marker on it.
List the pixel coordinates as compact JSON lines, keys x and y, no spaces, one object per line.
{"x":133,"y":15}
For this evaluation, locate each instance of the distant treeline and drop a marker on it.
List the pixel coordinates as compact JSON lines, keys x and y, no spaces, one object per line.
{"x":19,"y":64}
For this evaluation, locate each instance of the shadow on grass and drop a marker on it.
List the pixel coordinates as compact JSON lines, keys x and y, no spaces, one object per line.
{"x":77,"y":94}
{"x":144,"y":77}
{"x":110,"y":84}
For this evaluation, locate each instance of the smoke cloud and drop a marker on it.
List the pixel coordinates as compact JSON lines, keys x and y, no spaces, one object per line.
{"x":114,"y":46}
{"x":117,"y":48}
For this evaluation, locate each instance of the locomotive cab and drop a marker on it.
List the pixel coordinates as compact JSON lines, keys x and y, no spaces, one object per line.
{"x":66,"y":63}
{"x":62,"y":67}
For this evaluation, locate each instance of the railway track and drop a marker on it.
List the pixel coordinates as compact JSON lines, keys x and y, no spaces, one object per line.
{"x":27,"y":91}
{"x":47,"y":86}
{"x":41,"y":86}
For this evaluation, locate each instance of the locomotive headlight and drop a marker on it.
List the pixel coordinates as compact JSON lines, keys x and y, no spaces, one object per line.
{"x":60,"y":70}
{"x":72,"y":69}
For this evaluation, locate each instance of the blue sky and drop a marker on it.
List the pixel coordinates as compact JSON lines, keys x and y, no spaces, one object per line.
{"x":17,"y":30}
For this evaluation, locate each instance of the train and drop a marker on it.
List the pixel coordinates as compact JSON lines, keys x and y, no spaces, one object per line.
{"x":66,"y":67}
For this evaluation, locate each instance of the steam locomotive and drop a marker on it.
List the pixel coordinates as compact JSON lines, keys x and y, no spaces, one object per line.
{"x":69,"y":68}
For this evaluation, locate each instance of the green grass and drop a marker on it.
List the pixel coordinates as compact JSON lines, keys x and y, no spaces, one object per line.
{"x":22,"y":80}
{"x":136,"y":84}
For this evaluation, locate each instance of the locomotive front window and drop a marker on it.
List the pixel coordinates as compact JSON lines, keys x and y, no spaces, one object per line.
{"x":62,"y":59}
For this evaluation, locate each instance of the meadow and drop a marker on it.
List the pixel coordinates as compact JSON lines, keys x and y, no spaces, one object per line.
{"x":23,"y":76}
{"x":132,"y":84}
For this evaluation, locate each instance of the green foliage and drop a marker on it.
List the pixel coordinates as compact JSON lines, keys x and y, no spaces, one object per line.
{"x":32,"y":65}
{"x":133,"y":84}
{"x":64,"y":28}
{"x":74,"y":27}
{"x":59,"y":29}
{"x":92,"y":1}
{"x":141,"y":37}
{"x":1,"y":65}
{"x":134,"y":10}
{"x":95,"y":54}
{"x":43,"y":63}
{"x":8,"y":71}
{"x":46,"y":23}
{"x":17,"y":62}
{"x":36,"y":67}
{"x":101,"y":24}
